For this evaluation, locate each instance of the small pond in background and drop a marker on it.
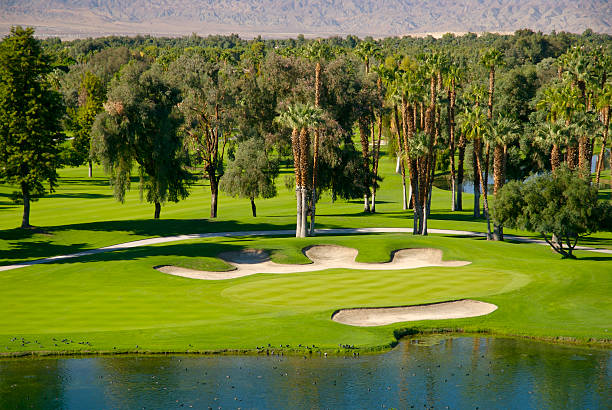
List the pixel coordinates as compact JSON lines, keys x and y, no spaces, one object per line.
{"x":433,"y":372}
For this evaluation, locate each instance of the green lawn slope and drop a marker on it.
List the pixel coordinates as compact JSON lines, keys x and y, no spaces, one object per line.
{"x":117,"y":302}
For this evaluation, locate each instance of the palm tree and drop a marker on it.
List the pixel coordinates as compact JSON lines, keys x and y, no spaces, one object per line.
{"x":553,"y":134}
{"x":562,"y":102}
{"x":476,"y":127}
{"x":578,"y":66}
{"x":476,"y":94}
{"x":301,"y":118}
{"x":490,"y":59}
{"x":454,"y":75}
{"x":316,"y":51}
{"x":502,"y":132}
{"x":366,"y":50}
{"x":390,"y":76}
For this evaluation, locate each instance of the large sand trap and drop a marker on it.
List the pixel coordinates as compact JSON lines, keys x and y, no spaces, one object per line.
{"x":436,"y":311}
{"x":250,"y":262}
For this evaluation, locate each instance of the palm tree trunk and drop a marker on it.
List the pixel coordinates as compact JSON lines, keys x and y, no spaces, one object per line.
{"x":604,"y":138}
{"x":298,"y":223}
{"x":304,"y":145}
{"x":555,"y":157}
{"x":583,"y":155}
{"x":313,"y":203}
{"x":451,"y":139}
{"x":498,"y":168}
{"x":475,"y":161}
{"x":253,"y":207}
{"x":484,"y":195}
{"x":460,"y":172}
{"x":491,"y":91}
{"x":90,"y":169}
{"x":375,"y":165}
{"x":295,"y":145}
{"x":363,"y":133}
{"x":304,"y":222}
{"x":572,"y":155}
{"x":25,"y":193}
{"x":400,"y":160}
{"x":408,"y":116}
{"x":486,"y":166}
{"x":499,"y":179}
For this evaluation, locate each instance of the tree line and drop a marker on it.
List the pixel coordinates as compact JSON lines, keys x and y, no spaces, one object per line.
{"x":234,"y":109}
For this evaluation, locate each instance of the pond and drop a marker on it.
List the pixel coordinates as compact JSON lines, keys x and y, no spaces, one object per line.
{"x":433,"y":372}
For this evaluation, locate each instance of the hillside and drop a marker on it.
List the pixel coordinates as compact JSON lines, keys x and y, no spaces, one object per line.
{"x":282,"y":18}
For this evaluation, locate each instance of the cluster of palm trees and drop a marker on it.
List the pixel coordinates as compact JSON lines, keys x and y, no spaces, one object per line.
{"x":413,"y":92}
{"x":577,"y":107}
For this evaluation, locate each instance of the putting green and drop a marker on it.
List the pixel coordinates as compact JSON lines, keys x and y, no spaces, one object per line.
{"x":363,"y":288}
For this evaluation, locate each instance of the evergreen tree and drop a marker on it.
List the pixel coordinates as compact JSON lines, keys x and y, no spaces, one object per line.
{"x":30,"y":113}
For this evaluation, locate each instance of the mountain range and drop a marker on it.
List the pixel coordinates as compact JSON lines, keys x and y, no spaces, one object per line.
{"x":288,"y":18}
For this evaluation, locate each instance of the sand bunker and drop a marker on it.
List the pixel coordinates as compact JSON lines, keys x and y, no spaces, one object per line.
{"x":250,"y":262}
{"x":436,"y":311}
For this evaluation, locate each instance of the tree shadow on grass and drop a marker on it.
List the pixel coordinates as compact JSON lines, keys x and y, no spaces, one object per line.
{"x":85,"y":182}
{"x":595,"y":258}
{"x":170,"y":251}
{"x":24,"y":244}
{"x":79,"y":195}
{"x":190,"y":250}
{"x":20,"y":251}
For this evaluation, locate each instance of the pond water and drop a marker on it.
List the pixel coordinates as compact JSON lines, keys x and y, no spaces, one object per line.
{"x":458,"y":372}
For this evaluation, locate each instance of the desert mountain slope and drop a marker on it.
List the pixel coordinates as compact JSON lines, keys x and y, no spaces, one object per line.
{"x":310,"y":17}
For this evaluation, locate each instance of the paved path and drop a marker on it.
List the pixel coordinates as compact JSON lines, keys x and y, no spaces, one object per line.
{"x":338,"y":231}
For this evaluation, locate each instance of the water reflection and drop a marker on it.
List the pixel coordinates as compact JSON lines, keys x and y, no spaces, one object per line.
{"x":459,"y":372}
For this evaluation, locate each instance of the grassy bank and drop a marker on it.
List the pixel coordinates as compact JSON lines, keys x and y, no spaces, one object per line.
{"x":118,"y":302}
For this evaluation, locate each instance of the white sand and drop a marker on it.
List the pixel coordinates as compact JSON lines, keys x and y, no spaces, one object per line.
{"x":250,"y":262}
{"x":437,"y":311}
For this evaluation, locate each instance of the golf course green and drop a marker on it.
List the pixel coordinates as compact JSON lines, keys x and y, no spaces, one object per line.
{"x":117,"y":302}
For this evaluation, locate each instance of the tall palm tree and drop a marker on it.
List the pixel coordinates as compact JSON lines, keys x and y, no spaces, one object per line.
{"x":476,"y":127}
{"x":490,"y":59}
{"x":316,"y":51}
{"x":476,"y":95}
{"x":453,"y":76}
{"x":553,"y":135}
{"x":366,"y":50}
{"x":578,"y":67}
{"x":562,"y":102}
{"x":301,"y":118}
{"x":291,"y":118}
{"x":503,"y":131}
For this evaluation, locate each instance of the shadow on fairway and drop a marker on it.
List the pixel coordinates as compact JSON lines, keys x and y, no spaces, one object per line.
{"x":24,"y":244}
{"x":79,"y":195}
{"x":187,"y":250}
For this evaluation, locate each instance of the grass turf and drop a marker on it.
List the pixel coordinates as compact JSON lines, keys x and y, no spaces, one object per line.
{"x":117,"y":302}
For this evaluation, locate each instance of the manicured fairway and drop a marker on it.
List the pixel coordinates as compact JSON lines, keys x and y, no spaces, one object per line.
{"x":118,"y":302}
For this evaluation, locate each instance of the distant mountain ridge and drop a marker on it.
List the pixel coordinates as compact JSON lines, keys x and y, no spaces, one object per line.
{"x":281,"y":18}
